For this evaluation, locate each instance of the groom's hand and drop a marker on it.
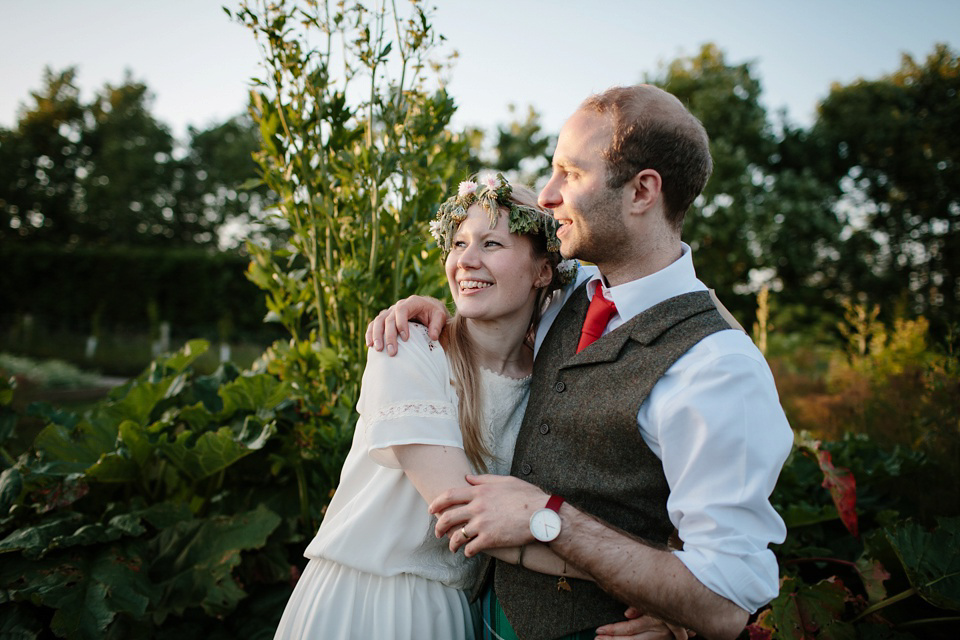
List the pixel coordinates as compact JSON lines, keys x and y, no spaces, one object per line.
{"x":642,"y":627}
{"x":495,"y":511}
{"x":389,"y":323}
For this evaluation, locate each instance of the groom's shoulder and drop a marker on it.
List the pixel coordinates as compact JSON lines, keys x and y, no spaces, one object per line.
{"x":723,"y":349}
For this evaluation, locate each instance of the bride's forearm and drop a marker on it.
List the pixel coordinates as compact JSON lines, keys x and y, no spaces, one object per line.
{"x":433,"y":469}
{"x":538,"y":557}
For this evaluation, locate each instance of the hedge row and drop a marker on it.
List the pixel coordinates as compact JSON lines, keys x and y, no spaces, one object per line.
{"x":129,"y":288}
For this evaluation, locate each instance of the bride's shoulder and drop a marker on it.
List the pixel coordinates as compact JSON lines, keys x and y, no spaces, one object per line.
{"x":420,"y":338}
{"x":419,"y":348}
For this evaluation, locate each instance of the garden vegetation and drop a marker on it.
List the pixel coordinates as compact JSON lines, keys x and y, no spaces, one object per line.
{"x":179,"y":504}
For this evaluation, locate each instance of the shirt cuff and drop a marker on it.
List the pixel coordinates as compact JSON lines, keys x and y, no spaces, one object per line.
{"x":750,"y":582}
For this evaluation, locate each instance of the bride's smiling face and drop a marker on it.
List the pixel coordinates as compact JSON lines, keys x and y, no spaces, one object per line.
{"x":492,"y":273}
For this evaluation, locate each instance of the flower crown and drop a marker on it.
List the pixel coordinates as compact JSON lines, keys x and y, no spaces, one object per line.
{"x":493,"y":194}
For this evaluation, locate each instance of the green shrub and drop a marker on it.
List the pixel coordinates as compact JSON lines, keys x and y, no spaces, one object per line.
{"x":872,"y":544}
{"x":889,"y":384}
{"x":855,"y":563}
{"x":160,"y":509}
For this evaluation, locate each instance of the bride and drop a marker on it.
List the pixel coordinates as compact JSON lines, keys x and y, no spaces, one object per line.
{"x":428,"y":417}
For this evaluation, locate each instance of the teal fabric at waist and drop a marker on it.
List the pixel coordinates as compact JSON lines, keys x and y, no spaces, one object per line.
{"x":495,"y":625}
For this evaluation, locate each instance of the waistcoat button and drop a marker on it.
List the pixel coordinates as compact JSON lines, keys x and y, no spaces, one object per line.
{"x":559,"y":387}
{"x":525,"y":469}
{"x":544,"y":429}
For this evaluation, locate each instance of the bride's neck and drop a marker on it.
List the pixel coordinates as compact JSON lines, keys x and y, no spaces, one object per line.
{"x":501,"y":349}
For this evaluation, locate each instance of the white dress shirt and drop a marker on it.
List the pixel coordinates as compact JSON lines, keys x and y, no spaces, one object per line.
{"x":715,"y":421}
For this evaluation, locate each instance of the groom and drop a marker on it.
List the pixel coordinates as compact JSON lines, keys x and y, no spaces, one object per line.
{"x":669,"y":421}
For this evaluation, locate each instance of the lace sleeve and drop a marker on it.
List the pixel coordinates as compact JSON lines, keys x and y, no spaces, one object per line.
{"x":423,"y":409}
{"x":408,"y":399}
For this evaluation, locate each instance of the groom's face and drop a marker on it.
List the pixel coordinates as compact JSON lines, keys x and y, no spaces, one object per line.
{"x":589,"y":212}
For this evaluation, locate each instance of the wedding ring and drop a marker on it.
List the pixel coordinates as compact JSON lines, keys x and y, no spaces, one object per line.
{"x":463,"y":530}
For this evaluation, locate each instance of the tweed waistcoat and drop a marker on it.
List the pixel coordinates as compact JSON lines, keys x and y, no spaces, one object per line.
{"x":580,"y":440}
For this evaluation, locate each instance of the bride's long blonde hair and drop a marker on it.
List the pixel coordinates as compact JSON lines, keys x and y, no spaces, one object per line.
{"x":461,"y":352}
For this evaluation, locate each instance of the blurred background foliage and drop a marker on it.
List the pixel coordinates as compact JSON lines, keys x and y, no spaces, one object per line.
{"x":178,"y":503}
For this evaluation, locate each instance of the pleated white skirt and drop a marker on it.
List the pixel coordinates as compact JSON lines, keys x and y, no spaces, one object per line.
{"x":333,"y":602}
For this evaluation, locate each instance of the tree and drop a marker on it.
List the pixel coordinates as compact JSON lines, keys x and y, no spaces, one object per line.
{"x":219,"y":199}
{"x":764,"y":217}
{"x":40,"y":160}
{"x":814,"y":264}
{"x":128,"y":191}
{"x":892,"y":150}
{"x":522,"y":147}
{"x":107,"y":172}
{"x":520,"y":150}
{"x":79,"y":173}
{"x":725,"y":227}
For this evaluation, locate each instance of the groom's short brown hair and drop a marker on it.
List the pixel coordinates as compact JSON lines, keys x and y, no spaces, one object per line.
{"x":653,"y":130}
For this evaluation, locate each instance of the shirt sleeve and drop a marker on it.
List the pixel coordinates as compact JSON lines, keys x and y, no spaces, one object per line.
{"x":716,"y":423}
{"x":408,"y":399}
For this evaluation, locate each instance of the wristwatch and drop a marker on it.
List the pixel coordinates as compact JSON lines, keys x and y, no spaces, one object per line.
{"x":545,"y":523}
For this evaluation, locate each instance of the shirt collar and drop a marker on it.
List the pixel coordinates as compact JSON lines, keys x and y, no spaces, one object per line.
{"x":639,"y":295}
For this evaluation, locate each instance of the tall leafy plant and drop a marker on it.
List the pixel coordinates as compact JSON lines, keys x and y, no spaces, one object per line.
{"x":356,"y":147}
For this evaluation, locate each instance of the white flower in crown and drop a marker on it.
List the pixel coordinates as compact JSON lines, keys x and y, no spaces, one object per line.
{"x":435,"y":231}
{"x":567,"y":270}
{"x":491,"y":182}
{"x":467,"y":186}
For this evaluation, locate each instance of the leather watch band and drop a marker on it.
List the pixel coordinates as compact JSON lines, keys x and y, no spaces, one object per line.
{"x":555,"y":502}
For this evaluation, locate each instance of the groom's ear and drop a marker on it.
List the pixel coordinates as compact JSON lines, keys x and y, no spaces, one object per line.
{"x":643,"y":190}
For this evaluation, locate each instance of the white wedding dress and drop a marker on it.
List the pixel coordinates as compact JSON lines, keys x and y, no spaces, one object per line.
{"x":376,"y":570}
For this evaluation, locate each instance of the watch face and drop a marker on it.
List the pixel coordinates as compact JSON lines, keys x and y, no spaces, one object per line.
{"x":545,"y":525}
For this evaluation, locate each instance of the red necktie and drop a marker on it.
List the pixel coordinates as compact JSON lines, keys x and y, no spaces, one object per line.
{"x":598,"y":315}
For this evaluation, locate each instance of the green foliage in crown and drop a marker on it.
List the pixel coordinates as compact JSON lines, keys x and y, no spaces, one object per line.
{"x":493,"y":195}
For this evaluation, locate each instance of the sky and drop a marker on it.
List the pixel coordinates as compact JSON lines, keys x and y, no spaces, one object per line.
{"x":546,"y":53}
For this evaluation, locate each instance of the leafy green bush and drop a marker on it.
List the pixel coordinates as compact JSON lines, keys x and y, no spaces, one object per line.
{"x":158,"y":511}
{"x":872,"y":552}
{"x":891,"y":384}
{"x":855,"y":563}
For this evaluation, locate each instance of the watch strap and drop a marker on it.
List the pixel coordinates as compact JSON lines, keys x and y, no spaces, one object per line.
{"x":554,"y":503}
